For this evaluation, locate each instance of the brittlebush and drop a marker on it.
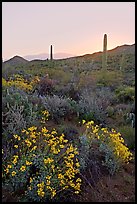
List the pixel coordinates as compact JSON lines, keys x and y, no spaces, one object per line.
{"x":109,"y":141}
{"x":45,"y":163}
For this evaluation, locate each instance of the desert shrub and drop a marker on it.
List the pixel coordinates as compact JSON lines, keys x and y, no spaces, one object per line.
{"x":45,"y":86}
{"x":8,"y":71}
{"x":89,"y":116}
{"x":44,"y":166}
{"x":93,"y":105}
{"x":130,"y":119}
{"x":90,"y":159}
{"x":58,"y":107}
{"x":125,"y":94}
{"x":123,"y":108}
{"x":69,"y":91}
{"x":110,"y":111}
{"x":70,"y":131}
{"x":128,"y":133}
{"x":109,"y":143}
{"x":121,"y":111}
{"x":109,"y":78}
{"x":84,"y":151}
{"x":17,"y":113}
{"x":15,"y":97}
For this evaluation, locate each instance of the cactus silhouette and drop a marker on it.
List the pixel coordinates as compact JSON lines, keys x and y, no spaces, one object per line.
{"x":104,"y":56}
{"x":51,"y":55}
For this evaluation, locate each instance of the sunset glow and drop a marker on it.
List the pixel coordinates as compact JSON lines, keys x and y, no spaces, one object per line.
{"x":77,"y":28}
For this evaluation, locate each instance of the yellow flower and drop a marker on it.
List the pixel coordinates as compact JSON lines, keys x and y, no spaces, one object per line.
{"x":14,"y":161}
{"x":78,"y":180}
{"x":35,"y":147}
{"x":30,"y":188}
{"x":53,"y":132}
{"x":34,"y":141}
{"x":15,"y":136}
{"x":41,"y":185}
{"x":48,"y":177}
{"x":48,"y":182}
{"x":6,"y":170}
{"x":28,"y":143}
{"x":15,"y":156}
{"x":40,"y":193}
{"x":16,"y":146}
{"x":23,"y":168}
{"x":13,"y":173}
{"x":48,"y":160}
{"x":95,"y":130}
{"x":60,"y":176}
{"x":44,"y":130}
{"x":32,"y":128}
{"x":83,"y":122}
{"x":77,"y":164}
{"x":53,"y":193}
{"x":18,"y":137}
{"x":65,"y":141}
{"x":92,"y":122}
{"x":9,"y":166}
{"x":28,"y":163}
{"x":76,"y":192}
{"x":30,"y":180}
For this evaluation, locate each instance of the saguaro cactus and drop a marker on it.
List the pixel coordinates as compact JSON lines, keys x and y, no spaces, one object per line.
{"x":104,"y":56}
{"x":51,"y":55}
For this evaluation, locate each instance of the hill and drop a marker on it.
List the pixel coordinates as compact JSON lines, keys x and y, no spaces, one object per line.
{"x":117,"y":50}
{"x":16,"y":60}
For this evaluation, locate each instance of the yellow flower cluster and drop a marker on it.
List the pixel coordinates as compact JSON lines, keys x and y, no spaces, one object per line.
{"x":110,"y":137}
{"x":58,"y":161}
{"x":34,"y":81}
{"x":21,"y":82}
{"x":40,"y":190}
{"x":4,"y":82}
{"x":48,"y":160}
{"x":17,"y":137}
{"x":120,"y":150}
{"x":45,"y":116}
{"x":18,"y":82}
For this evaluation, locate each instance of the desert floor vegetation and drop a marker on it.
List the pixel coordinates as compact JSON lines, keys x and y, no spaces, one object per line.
{"x":68,"y":131}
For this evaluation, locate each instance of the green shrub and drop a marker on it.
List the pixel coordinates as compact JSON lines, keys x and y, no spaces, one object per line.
{"x":109,"y":78}
{"x":128,"y":133}
{"x":125,"y":94}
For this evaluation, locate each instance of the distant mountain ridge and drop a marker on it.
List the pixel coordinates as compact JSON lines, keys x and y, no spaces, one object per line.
{"x":16,"y":60}
{"x":44,"y":56}
{"x":117,"y":50}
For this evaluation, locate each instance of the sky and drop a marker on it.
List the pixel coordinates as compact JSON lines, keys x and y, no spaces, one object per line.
{"x":76,"y":28}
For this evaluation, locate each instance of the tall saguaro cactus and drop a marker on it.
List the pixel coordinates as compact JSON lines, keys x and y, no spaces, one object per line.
{"x":51,"y":54}
{"x":104,"y":56}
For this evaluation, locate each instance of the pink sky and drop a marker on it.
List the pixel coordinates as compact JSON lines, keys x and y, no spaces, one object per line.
{"x":29,"y":28}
